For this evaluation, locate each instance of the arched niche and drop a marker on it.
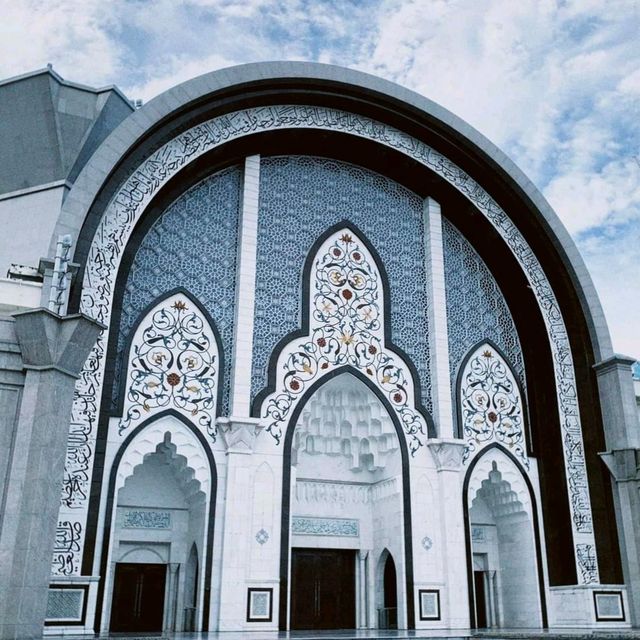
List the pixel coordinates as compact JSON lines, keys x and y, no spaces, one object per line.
{"x":505,"y":575}
{"x":345,"y":491}
{"x":161,"y":498}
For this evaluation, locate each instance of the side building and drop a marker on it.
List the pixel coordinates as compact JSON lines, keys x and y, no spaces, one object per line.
{"x":288,"y":327}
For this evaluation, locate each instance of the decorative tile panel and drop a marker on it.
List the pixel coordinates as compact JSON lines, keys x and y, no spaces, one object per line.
{"x":304,"y":526}
{"x":490,"y":405}
{"x":65,"y":605}
{"x":172,"y":364}
{"x":138,"y":190}
{"x":142,"y":519}
{"x":345,"y":328}
{"x":302,"y":196}
{"x":478,"y":534}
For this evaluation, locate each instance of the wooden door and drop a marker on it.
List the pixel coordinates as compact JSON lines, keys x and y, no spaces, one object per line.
{"x":323,"y":589}
{"x":138,"y":597}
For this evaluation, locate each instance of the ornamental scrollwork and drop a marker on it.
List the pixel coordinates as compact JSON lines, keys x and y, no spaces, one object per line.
{"x":133,"y":196}
{"x":490,"y":405}
{"x":346,"y":329}
{"x":172,"y":365}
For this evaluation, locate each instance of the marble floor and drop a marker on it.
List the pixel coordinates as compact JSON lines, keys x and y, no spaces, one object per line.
{"x":502,"y":634}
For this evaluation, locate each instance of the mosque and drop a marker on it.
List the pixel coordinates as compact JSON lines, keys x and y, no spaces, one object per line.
{"x":292,"y":347}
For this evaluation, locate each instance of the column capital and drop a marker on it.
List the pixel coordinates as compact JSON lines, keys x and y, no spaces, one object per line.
{"x":447,"y":453}
{"x":616,"y":361}
{"x":50,"y":341}
{"x":239,"y":434}
{"x":623,"y":464}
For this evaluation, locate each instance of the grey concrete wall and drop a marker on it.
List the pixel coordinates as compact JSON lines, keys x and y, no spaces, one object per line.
{"x":53,"y":350}
{"x":11,"y":384}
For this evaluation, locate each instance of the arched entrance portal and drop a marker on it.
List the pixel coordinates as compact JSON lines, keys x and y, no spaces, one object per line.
{"x":347,"y":508}
{"x":160,"y":520}
{"x":505,"y":580}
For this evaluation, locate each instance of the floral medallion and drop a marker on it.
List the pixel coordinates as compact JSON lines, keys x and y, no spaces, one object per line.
{"x":172,"y":365}
{"x":346,"y":328}
{"x":490,"y":405}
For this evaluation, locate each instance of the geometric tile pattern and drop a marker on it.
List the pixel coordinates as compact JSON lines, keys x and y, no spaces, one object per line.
{"x":300,"y":198}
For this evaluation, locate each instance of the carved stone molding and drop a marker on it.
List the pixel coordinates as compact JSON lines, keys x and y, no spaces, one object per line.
{"x":239,"y":434}
{"x":447,"y":453}
{"x":623,"y":464}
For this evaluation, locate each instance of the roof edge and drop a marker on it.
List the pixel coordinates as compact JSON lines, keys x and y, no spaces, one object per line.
{"x":67,"y":83}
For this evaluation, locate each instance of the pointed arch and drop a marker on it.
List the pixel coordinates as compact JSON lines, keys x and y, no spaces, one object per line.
{"x":286,"y":489}
{"x":490,"y":403}
{"x":513,"y":473}
{"x":189,"y":442}
{"x":345,"y":322}
{"x":174,"y":361}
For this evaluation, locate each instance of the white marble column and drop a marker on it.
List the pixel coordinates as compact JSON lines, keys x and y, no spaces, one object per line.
{"x":239,"y":435}
{"x":245,"y":291}
{"x":438,"y":334}
{"x":622,"y":434}
{"x":362,"y":589}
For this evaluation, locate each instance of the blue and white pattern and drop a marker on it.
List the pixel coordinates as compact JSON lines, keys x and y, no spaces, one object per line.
{"x":476,"y":308}
{"x":300,"y":198}
{"x":192,"y":245}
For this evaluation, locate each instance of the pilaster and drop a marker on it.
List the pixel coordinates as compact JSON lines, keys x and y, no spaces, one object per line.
{"x":448,"y":454}
{"x":245,"y":290}
{"x":438,"y":332}
{"x":239,"y":435}
{"x":622,"y":436}
{"x":53,"y":349}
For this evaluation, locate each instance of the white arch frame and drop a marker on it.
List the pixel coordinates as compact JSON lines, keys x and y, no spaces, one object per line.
{"x":130,"y":201}
{"x":142,"y":444}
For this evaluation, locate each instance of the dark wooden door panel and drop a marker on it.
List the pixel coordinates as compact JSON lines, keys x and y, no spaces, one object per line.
{"x":138,"y":597}
{"x":323,"y":593}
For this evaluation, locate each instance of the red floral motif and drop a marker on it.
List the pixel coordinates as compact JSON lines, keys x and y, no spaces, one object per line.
{"x":294,"y":384}
{"x":347,"y":295}
{"x":492,"y":416}
{"x":321,"y":342}
{"x":173,"y":379}
{"x":357,"y":256}
{"x":397,"y":398}
{"x":372,"y":349}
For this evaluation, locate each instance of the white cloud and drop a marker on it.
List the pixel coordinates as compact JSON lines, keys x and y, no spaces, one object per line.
{"x":72,"y":35}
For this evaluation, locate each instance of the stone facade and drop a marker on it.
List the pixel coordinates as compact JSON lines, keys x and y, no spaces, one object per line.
{"x":288,"y":357}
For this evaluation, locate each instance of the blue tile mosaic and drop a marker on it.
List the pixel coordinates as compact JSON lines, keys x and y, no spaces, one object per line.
{"x":476,"y":308}
{"x":300,"y":198}
{"x":193,"y":245}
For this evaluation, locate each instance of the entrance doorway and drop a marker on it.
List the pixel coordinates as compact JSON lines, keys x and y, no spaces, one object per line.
{"x":506,"y":588}
{"x":323,"y":589}
{"x":388,"y":615}
{"x":481,"y":599}
{"x":138,"y":597}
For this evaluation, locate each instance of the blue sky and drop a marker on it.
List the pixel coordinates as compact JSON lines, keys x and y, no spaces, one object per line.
{"x":555,"y":84}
